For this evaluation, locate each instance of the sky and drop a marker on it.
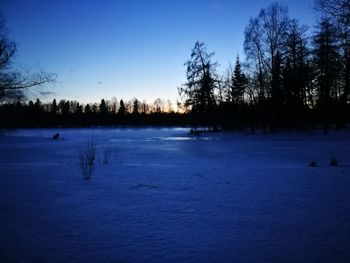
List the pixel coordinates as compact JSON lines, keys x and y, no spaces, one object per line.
{"x":128,"y":48}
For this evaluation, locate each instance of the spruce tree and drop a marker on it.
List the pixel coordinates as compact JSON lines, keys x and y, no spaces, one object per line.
{"x":121,"y":110}
{"x":238,"y":83}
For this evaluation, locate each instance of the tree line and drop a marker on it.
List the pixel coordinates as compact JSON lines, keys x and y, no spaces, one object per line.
{"x":106,"y":113}
{"x":291,"y":78}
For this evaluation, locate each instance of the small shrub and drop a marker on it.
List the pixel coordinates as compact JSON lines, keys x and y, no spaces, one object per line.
{"x":87,"y":159}
{"x":55,"y":136}
{"x":313,"y":164}
{"x":107,"y":157}
{"x":333,"y":161}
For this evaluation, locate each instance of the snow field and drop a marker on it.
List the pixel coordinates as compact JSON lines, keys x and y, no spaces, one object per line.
{"x":164,"y":196}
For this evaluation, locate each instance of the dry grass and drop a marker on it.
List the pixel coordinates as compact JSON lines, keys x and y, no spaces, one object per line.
{"x":87,"y":159}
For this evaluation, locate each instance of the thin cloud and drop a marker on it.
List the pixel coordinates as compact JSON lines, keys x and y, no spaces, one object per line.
{"x":216,"y":5}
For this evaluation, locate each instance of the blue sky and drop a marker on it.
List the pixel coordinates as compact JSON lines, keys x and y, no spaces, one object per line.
{"x":128,"y":48}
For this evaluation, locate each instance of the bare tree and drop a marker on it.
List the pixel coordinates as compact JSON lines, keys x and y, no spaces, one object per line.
{"x":264,"y":45}
{"x":326,"y":61}
{"x":265,"y":48}
{"x":337,"y":12}
{"x":145,"y":108}
{"x":297,"y":69}
{"x":158,"y":106}
{"x":169,"y":106}
{"x":338,"y":9}
{"x":114,"y":105}
{"x":13,"y":84}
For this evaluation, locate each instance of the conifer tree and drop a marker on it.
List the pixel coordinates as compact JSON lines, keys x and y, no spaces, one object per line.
{"x":238,"y":83}
{"x":201,"y":83}
{"x":121,"y":110}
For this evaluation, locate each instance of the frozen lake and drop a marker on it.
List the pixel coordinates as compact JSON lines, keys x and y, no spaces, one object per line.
{"x":165,"y":196}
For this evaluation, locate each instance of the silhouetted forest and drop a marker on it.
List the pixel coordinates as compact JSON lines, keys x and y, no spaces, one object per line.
{"x":291,"y":79}
{"x":106,"y":113}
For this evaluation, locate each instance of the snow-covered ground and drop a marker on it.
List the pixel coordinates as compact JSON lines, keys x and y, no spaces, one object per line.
{"x":165,"y":196}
